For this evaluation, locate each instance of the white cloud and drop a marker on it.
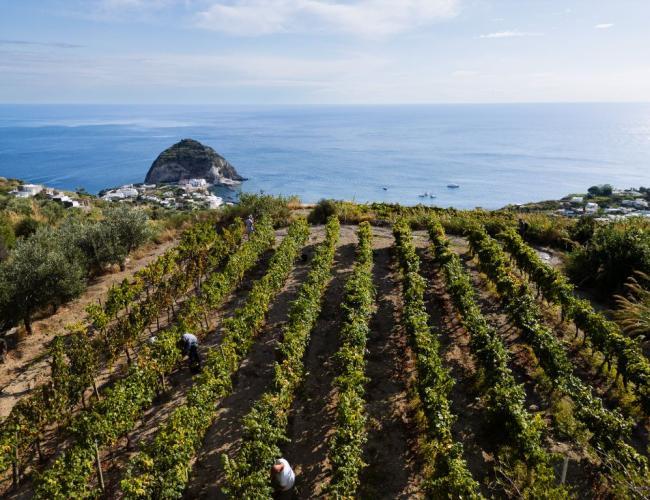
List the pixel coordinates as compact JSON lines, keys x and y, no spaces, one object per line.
{"x":510,"y":34}
{"x":604,"y":26}
{"x":370,"y":18}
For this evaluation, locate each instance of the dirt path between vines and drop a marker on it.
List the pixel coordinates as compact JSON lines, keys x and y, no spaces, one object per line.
{"x":470,"y":428}
{"x":394,"y":468}
{"x":26,"y":366}
{"x":312,"y":415}
{"x":253,"y":378}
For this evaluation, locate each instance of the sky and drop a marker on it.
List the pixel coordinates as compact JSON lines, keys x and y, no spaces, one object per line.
{"x":324,"y":51}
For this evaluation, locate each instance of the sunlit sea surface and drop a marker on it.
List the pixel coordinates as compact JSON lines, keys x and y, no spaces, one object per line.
{"x":497,"y":154}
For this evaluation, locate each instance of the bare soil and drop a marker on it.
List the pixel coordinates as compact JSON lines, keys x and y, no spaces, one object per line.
{"x":470,"y":427}
{"x":313,"y":412}
{"x":394,"y":466}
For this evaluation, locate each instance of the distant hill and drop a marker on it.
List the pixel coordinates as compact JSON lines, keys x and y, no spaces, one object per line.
{"x":189,"y":159}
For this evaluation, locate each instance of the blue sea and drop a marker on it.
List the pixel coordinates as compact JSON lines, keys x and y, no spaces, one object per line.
{"x":497,"y":154}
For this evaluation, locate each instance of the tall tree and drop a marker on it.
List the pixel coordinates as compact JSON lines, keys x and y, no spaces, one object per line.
{"x":40,"y":272}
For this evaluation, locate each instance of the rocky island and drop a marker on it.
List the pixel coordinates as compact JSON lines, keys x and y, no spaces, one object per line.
{"x":189,"y":159}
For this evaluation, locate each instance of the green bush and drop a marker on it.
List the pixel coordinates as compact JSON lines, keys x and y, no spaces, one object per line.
{"x":583,"y":230}
{"x":323,"y":210}
{"x":550,"y":231}
{"x":26,"y":227}
{"x":275,"y":208}
{"x":7,"y":238}
{"x":21,"y":206}
{"x":611,"y":256}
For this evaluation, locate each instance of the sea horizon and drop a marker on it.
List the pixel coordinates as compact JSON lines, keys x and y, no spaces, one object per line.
{"x":498,"y":154}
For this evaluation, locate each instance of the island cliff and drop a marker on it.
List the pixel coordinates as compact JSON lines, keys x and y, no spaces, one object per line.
{"x":189,"y":159}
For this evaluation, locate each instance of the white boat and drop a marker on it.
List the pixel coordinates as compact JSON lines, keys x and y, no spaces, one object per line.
{"x":432,"y":195}
{"x":453,"y":186}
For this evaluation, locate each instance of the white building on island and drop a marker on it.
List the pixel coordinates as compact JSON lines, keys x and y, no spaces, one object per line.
{"x":27,"y":190}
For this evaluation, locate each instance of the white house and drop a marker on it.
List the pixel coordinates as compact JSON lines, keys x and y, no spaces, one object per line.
{"x":128,"y":191}
{"x":27,"y":190}
{"x":213,"y":201}
{"x":591,"y":208}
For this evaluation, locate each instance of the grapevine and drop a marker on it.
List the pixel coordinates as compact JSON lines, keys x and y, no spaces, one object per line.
{"x":265,"y":426}
{"x":346,"y":445}
{"x":119,"y":411}
{"x":161,"y":469}
{"x":446,"y":472}
{"x":609,"y":428}
{"x":505,"y":399}
{"x":603,"y":334}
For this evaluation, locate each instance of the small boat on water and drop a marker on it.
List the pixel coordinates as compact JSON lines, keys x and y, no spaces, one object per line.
{"x":431,"y":195}
{"x":425,"y":194}
{"x":453,"y":186}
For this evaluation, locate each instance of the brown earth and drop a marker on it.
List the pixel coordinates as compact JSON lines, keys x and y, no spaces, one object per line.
{"x":394,"y":466}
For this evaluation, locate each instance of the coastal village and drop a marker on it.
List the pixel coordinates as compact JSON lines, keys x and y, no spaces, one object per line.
{"x":604,"y":203}
{"x":194,"y":194}
{"x":187,"y":194}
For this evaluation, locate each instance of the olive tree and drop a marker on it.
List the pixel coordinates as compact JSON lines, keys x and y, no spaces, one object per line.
{"x":129,"y":227}
{"x":41,"y":271}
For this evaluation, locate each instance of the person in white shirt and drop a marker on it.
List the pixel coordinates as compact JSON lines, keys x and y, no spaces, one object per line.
{"x":189,"y":345}
{"x":250,"y":226}
{"x":282,"y":475}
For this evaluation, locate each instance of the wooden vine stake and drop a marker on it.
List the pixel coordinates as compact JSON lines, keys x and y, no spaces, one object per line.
{"x":565,"y":466}
{"x":15,"y":472}
{"x":99,"y":467}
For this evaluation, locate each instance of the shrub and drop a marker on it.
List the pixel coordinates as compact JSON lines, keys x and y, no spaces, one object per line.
{"x":551,"y":231}
{"x":26,"y":227}
{"x":611,"y":256}
{"x":7,"y":238}
{"x":583,"y":230}
{"x":275,"y":208}
{"x":322,"y":211}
